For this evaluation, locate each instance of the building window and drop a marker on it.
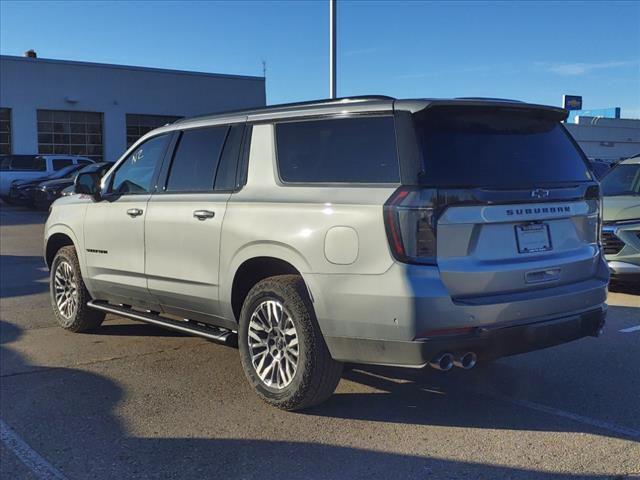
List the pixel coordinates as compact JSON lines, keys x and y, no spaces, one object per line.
{"x":5,"y":131}
{"x":138,"y":125}
{"x":70,"y":133}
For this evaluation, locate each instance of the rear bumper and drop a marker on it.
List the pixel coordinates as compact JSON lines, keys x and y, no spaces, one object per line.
{"x":389,"y":318}
{"x":498,"y":340}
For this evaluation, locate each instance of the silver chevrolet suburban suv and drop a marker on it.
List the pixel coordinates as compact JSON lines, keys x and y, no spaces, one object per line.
{"x":363,"y":230}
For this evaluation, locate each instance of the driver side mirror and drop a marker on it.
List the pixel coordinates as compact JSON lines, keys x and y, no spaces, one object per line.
{"x":88,"y":183}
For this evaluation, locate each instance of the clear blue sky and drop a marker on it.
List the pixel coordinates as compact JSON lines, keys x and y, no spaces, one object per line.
{"x":533,"y":51}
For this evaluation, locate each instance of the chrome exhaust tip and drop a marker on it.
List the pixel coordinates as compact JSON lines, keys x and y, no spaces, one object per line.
{"x":442,"y":362}
{"x":466,"y":361}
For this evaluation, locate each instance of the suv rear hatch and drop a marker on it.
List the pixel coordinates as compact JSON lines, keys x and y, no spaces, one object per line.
{"x":504,"y":201}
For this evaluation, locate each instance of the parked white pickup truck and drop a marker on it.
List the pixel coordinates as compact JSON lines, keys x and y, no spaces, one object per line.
{"x":29,"y":167}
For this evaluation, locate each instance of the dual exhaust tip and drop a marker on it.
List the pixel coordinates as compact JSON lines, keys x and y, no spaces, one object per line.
{"x":446,"y":361}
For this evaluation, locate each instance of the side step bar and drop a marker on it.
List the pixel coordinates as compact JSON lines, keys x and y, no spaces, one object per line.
{"x":220,"y":335}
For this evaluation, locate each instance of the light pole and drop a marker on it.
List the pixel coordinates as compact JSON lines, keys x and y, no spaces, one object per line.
{"x":332,"y":49}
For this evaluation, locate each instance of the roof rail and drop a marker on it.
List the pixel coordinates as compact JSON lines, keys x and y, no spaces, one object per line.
{"x":510,"y":100}
{"x":325,"y":101}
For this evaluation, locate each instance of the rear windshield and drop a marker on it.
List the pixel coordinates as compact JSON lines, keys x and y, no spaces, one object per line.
{"x":501,"y":147}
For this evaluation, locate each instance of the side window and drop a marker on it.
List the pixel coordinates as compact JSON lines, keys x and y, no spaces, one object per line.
{"x":37,"y":164}
{"x":135,"y":174}
{"x":195,"y":160}
{"x":60,"y":163}
{"x":346,"y":150}
{"x":226,"y":176}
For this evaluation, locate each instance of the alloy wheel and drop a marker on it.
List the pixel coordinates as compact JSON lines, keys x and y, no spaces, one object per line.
{"x":273,"y":344}
{"x":66,"y":289}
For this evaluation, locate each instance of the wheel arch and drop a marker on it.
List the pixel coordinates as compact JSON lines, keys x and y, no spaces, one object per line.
{"x":253,"y":270}
{"x":59,"y":236}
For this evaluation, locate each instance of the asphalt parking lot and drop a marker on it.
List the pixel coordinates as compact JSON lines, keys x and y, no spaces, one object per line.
{"x":135,"y":401}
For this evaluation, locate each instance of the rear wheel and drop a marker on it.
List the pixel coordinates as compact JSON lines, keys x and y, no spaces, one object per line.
{"x":69,"y":296}
{"x":283,"y":353}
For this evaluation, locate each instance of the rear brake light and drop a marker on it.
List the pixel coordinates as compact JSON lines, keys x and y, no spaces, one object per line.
{"x":410,"y":224}
{"x":594,"y":193}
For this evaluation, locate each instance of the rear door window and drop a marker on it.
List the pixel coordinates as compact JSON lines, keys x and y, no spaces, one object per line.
{"x":60,"y":163}
{"x":346,"y":150}
{"x":195,"y":161}
{"x":498,"y":147}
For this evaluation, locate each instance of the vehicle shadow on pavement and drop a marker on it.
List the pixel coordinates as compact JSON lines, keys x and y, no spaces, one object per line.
{"x":67,"y":416}
{"x":11,"y":215}
{"x":22,"y":275}
{"x":489,"y":397}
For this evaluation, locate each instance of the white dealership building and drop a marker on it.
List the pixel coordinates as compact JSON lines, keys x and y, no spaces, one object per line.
{"x":97,"y":110}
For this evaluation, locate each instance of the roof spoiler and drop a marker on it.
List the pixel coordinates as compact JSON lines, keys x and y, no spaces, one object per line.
{"x":414,"y":106}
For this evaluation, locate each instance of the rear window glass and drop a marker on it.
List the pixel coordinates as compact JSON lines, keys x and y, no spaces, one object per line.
{"x":24,"y":162}
{"x":347,"y":150}
{"x":196,"y":160}
{"x":501,"y":147}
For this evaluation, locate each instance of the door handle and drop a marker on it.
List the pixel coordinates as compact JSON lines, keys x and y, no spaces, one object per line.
{"x":134,"y":212}
{"x":203,"y":214}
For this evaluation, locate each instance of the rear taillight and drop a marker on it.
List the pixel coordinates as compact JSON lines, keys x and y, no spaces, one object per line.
{"x":410,"y":224}
{"x":593,"y":193}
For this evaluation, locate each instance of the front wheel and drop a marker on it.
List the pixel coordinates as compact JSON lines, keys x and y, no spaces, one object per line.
{"x":283,"y":353}
{"x":69,"y":296}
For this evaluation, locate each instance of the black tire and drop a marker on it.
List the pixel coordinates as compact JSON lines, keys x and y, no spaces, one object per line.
{"x":317,"y":374}
{"x":82,"y":318}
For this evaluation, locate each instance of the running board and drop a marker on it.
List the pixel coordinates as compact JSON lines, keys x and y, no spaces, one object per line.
{"x":220,"y":335}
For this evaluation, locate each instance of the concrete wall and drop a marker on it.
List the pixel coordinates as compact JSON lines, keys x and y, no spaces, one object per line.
{"x":606,"y":138}
{"x":27,"y":85}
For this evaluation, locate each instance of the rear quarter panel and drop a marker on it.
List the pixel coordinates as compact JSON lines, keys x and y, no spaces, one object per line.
{"x":267,"y":218}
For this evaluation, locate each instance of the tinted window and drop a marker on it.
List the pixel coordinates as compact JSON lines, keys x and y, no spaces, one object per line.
{"x":467,"y":146}
{"x":226,"y":175}
{"x":135,"y":174}
{"x":59,"y":163}
{"x":347,"y":150}
{"x":27,"y":162}
{"x":196,"y":160}
{"x":622,"y":180}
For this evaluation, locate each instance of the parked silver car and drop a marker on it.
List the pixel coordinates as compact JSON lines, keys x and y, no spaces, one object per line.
{"x":366,"y":230}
